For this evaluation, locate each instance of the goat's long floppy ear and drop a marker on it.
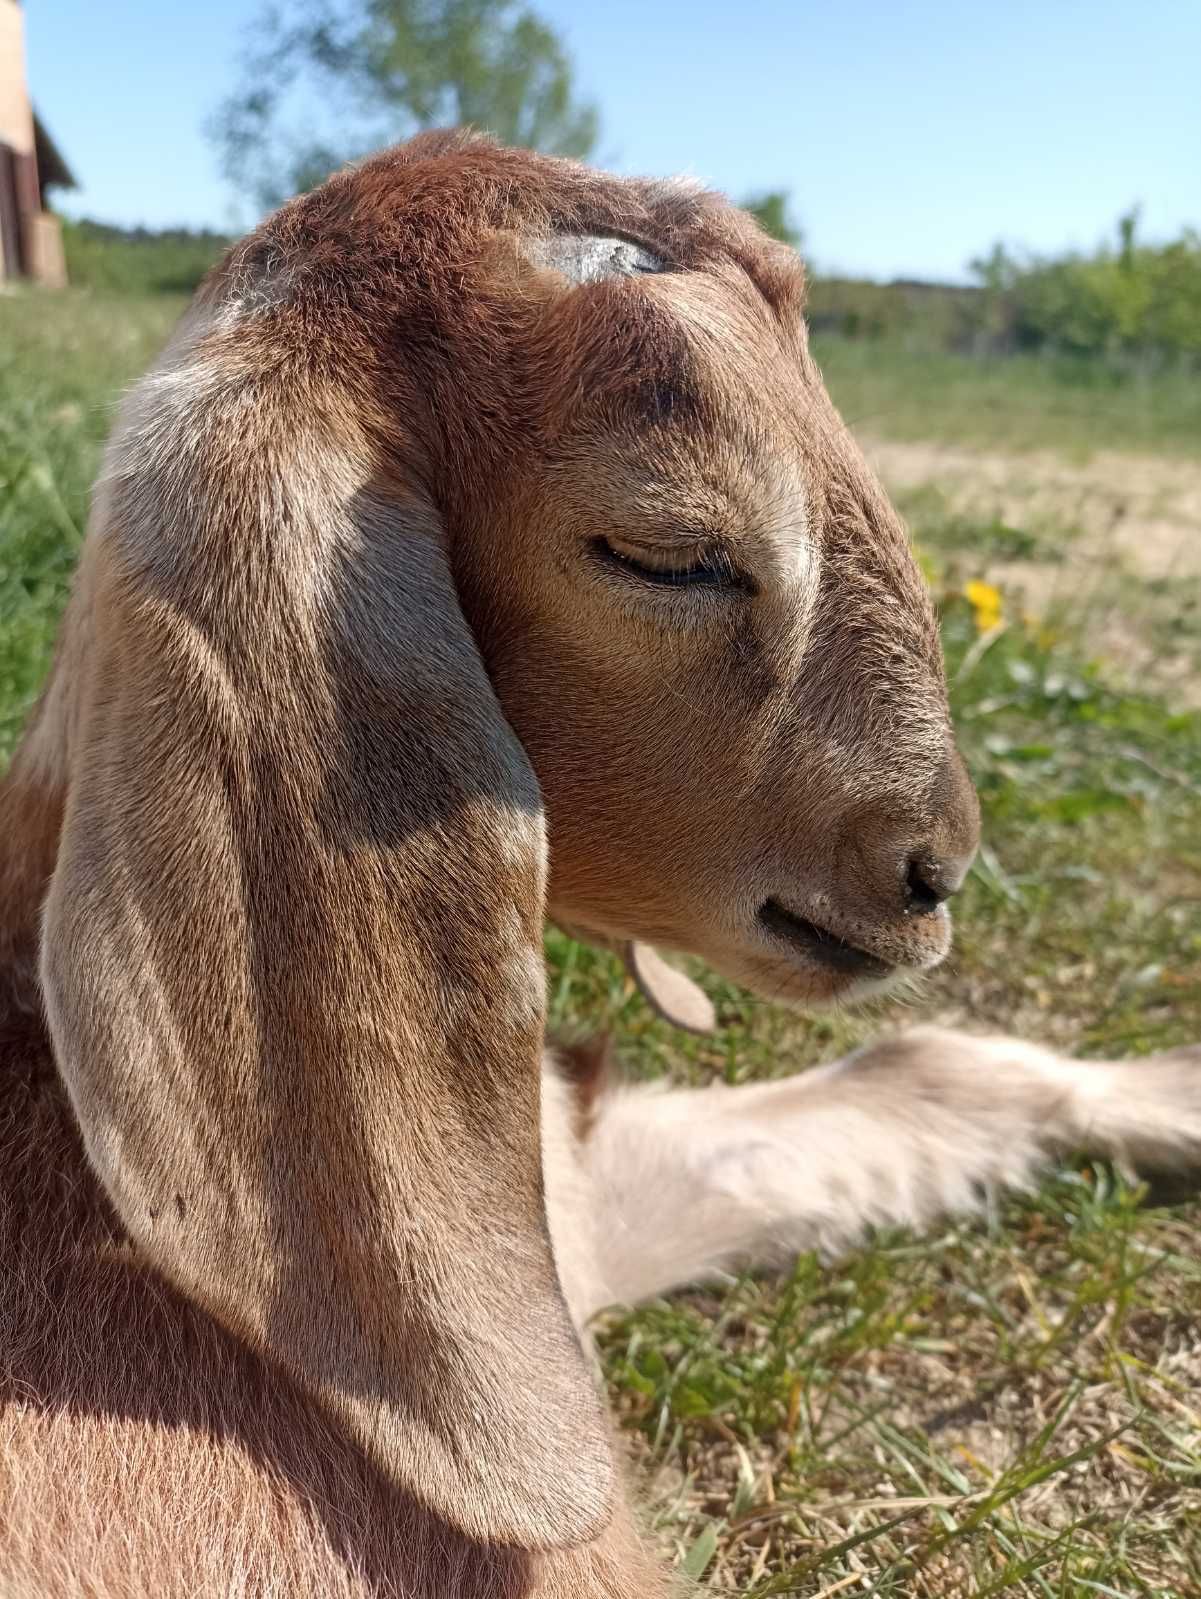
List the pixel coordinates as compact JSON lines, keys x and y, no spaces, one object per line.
{"x":292,"y":950}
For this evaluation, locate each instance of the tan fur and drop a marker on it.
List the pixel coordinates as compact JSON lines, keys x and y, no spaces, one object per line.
{"x":299,"y":1227}
{"x":681,"y":1186}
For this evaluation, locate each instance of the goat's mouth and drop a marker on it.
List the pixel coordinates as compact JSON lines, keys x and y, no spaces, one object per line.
{"x":819,"y":944}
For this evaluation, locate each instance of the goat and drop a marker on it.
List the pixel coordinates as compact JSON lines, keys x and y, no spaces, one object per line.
{"x":484,"y":547}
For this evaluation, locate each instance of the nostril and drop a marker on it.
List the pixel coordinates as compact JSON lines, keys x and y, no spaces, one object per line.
{"x":925,"y":887}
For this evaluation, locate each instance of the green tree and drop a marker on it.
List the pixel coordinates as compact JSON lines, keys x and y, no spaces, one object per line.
{"x":771,"y":210}
{"x":1127,"y":300}
{"x":325,"y":81}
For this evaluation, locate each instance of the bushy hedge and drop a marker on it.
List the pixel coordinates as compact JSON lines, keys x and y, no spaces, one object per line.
{"x":930,"y":315}
{"x":1127,"y":305}
{"x":138,"y":260}
{"x":1125,"y":300}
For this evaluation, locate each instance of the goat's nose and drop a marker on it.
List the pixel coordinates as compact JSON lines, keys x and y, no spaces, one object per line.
{"x":937,"y":857}
{"x":930,"y":880}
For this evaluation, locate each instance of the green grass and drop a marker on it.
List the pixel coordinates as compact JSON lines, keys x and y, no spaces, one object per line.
{"x":1010,"y":402}
{"x":63,"y":362}
{"x":1008,"y":1406}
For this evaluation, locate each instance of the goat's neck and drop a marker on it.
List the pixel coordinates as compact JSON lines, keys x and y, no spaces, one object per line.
{"x":30,"y":819}
{"x":32,"y":797}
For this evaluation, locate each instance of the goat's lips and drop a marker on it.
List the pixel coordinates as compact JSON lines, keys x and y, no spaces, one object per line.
{"x":819,"y":944}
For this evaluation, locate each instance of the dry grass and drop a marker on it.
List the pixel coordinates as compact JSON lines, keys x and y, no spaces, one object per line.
{"x":1108,"y":550}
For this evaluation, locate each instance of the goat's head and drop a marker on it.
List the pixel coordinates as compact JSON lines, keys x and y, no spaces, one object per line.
{"x":702,"y":616}
{"x":703,"y":619}
{"x":474,"y":483}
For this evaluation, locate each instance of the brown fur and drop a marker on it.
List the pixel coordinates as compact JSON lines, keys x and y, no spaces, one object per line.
{"x":281,"y":1166}
{"x":588,"y":1067}
{"x":146,"y":1454}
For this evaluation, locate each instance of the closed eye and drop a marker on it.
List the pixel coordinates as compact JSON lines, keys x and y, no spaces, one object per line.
{"x":711,"y":570}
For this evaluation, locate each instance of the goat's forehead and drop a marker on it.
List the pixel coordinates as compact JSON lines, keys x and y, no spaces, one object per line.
{"x":732,"y":333}
{"x":693,"y":351}
{"x":716,"y":401}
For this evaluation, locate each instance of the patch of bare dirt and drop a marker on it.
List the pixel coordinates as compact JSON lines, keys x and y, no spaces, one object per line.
{"x":1118,"y":544}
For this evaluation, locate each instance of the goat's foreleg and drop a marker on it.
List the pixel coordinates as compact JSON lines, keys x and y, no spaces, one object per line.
{"x":687,"y":1183}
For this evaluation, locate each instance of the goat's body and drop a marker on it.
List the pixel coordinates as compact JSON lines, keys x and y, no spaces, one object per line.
{"x":146,"y":1452}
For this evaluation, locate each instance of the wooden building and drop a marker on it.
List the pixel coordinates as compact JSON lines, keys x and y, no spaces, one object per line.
{"x":30,"y":237}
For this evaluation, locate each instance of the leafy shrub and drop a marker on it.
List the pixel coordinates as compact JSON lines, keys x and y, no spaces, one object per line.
{"x":1127,"y":305}
{"x":1126,"y":300}
{"x":138,"y":260}
{"x":931,"y":315}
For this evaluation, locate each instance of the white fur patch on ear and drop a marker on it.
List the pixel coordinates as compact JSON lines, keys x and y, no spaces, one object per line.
{"x":589,"y":257}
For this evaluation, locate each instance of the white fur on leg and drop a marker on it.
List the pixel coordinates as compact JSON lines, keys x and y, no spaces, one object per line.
{"x":682,"y":1184}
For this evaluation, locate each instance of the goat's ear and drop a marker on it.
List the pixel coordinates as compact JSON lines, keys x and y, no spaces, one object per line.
{"x":292,"y":950}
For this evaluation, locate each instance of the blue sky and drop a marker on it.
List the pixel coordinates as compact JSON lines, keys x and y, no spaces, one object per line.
{"x":911,"y":134}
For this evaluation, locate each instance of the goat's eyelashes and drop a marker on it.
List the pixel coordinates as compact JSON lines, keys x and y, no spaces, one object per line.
{"x":712,"y":570}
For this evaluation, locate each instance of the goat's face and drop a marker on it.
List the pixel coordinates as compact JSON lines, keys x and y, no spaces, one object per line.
{"x":705,"y":623}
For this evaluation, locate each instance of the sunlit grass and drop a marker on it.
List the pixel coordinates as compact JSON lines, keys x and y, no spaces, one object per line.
{"x":1010,"y":402}
{"x":63,"y":362}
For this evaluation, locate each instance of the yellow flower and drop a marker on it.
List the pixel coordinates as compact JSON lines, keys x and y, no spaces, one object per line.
{"x":985,"y":601}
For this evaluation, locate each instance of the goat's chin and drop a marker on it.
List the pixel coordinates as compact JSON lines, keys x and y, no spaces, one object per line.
{"x":794,"y":980}
{"x":801,"y":986}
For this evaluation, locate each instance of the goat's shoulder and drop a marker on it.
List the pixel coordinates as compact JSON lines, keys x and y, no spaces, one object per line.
{"x":145,"y":1452}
